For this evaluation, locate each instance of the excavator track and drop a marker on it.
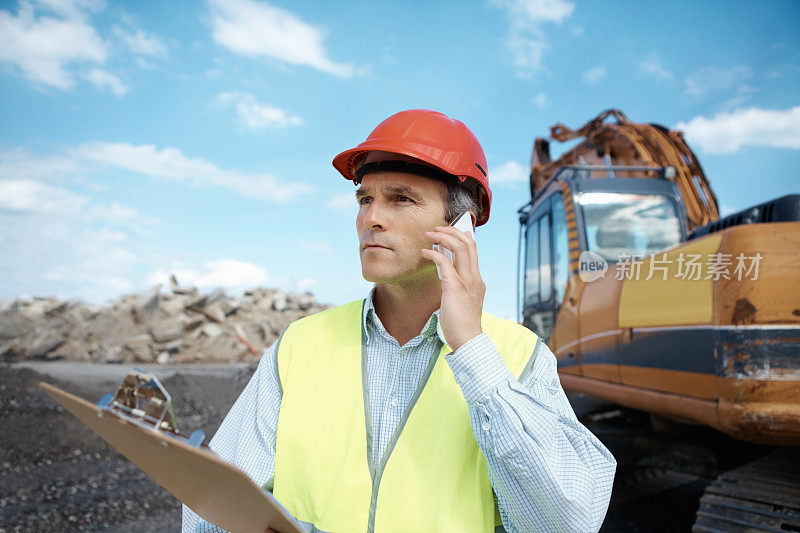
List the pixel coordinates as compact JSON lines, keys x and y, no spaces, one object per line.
{"x":763,"y":495}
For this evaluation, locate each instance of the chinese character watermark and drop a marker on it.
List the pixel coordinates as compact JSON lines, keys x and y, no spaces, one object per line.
{"x":688,"y":267}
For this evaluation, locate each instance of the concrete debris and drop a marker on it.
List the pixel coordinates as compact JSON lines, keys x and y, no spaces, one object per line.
{"x":279,"y":301}
{"x":149,"y":301}
{"x":177,"y":289}
{"x":13,"y":324}
{"x":197,"y":302}
{"x":39,"y":342}
{"x":56,"y":308}
{"x":166,"y":331}
{"x":215,"y":296}
{"x":228,"y":307}
{"x":212,"y":331}
{"x":175,"y":305}
{"x":214,"y":312}
{"x":193,"y":321}
{"x":305,"y":301}
{"x":181,"y":326}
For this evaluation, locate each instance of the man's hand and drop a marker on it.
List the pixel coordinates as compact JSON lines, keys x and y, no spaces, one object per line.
{"x":463,"y":288}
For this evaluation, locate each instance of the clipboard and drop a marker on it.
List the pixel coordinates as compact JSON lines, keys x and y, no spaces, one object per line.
{"x":216,"y":490}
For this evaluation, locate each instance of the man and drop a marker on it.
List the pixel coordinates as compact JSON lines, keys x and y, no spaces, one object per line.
{"x":412,"y":410}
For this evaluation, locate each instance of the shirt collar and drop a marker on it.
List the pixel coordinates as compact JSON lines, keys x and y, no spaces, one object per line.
{"x":431,"y":328}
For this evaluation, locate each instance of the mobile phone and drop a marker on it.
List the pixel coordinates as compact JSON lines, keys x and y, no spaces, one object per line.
{"x":462,"y":222}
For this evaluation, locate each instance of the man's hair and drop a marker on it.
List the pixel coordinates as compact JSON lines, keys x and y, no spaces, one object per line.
{"x":459,"y":198}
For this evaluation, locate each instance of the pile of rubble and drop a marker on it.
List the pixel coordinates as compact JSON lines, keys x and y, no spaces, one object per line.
{"x":182,"y":326}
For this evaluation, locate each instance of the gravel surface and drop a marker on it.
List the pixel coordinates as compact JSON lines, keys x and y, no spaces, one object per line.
{"x":58,"y":475}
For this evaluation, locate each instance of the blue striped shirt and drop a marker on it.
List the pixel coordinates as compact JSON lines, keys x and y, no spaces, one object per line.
{"x":548,"y":471}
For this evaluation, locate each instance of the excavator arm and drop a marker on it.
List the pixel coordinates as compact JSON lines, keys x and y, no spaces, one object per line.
{"x":627,"y":143}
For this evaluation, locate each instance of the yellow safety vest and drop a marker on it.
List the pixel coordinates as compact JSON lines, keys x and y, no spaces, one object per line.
{"x":433,"y":476}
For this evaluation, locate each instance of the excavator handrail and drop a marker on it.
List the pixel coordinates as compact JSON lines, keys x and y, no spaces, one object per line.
{"x":666,"y":172}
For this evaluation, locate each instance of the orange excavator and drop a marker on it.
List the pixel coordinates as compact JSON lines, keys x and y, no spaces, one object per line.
{"x":652,"y":301}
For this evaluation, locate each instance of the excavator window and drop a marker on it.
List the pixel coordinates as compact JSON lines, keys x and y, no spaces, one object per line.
{"x":532,"y":264}
{"x":539,"y":304}
{"x":545,"y":276}
{"x":621,"y":225}
{"x":560,"y":247}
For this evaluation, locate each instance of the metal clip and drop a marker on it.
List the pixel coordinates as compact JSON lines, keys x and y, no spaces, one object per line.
{"x":143,"y":400}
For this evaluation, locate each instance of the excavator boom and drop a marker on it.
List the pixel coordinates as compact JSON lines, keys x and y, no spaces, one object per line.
{"x":627,"y":143}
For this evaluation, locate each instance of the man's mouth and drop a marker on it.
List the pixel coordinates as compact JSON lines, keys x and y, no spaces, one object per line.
{"x":375,"y":247}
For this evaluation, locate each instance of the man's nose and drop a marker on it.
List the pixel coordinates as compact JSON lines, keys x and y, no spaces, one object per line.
{"x":375,"y":215}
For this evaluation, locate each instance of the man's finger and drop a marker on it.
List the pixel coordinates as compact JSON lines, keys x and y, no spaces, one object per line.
{"x":460,"y":249}
{"x":468,"y":239}
{"x":443,"y":262}
{"x":473,"y":252}
{"x":458,"y":234}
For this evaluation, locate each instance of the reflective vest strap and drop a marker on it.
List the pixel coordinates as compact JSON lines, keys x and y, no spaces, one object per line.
{"x":308,"y":527}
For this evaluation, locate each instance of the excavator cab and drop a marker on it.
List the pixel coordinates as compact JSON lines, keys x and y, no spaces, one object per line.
{"x":614,"y":218}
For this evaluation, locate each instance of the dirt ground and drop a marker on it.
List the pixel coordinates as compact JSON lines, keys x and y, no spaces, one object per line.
{"x":58,"y":475}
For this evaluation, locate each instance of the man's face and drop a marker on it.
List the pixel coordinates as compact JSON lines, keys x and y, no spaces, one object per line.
{"x":395,"y":210}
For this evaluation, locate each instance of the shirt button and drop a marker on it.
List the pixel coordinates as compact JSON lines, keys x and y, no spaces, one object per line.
{"x":395,"y":403}
{"x":485,"y":426}
{"x":462,"y":377}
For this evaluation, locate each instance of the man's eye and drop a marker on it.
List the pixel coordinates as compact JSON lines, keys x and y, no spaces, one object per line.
{"x":364,"y":200}
{"x":404,"y":199}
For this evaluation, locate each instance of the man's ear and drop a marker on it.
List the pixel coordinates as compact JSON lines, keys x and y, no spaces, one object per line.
{"x":474,"y":219}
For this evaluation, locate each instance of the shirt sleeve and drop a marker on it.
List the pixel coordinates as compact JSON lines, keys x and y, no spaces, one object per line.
{"x":548,"y":471}
{"x":247,"y":435}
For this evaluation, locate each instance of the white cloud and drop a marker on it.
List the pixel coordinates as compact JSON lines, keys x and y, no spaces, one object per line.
{"x":43,"y":47}
{"x":540,"y":100}
{"x":651,"y":66}
{"x":37,"y":197}
{"x":26,"y":196}
{"x":259,"y":29}
{"x":538,"y":11}
{"x":55,"y":253}
{"x":71,"y":8}
{"x":781,"y":69}
{"x":57,"y":240}
{"x":727,"y":132}
{"x":143,"y":63}
{"x":116,"y":212}
{"x":305,"y":284}
{"x":172,"y":164}
{"x":320,"y":247}
{"x":527,"y":40}
{"x":255,"y":115}
{"x":715,"y":79}
{"x":222,"y":273}
{"x":509,"y":172}
{"x":104,"y":79}
{"x":17,"y":163}
{"x":594,"y":75}
{"x":140,"y":42}
{"x":342,"y":201}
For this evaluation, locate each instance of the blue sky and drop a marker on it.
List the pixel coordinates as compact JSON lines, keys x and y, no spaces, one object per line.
{"x":144,"y":138}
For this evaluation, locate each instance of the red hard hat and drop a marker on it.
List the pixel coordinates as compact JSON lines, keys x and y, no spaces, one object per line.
{"x":431,"y":137}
